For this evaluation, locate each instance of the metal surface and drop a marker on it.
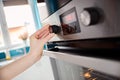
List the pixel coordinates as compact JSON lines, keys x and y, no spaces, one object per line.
{"x":107,"y":66}
{"x":107,"y":27}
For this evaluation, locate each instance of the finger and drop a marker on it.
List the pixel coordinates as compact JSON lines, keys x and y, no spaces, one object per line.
{"x":48,"y":37}
{"x":42,"y":35}
{"x":45,"y":35}
{"x":41,"y":32}
{"x":46,"y":27}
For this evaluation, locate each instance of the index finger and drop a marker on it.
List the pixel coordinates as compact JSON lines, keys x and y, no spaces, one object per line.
{"x":44,"y":28}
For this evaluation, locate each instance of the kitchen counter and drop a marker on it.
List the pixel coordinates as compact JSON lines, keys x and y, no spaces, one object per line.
{"x":4,"y":62}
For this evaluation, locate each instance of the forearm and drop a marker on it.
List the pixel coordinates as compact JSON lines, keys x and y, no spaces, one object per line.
{"x":37,"y":41}
{"x":11,"y":70}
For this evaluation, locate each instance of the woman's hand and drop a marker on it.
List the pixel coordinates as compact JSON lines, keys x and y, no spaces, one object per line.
{"x":38,"y":39}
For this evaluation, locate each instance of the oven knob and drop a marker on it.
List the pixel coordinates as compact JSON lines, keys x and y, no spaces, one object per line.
{"x":90,"y":16}
{"x":55,"y":29}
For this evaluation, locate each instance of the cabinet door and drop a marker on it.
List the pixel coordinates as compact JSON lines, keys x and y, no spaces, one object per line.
{"x":41,"y":70}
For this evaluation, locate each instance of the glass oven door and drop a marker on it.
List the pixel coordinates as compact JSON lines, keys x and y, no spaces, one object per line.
{"x":74,"y":67}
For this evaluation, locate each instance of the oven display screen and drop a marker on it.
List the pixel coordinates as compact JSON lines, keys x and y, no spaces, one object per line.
{"x":70,"y":18}
{"x":69,"y":22}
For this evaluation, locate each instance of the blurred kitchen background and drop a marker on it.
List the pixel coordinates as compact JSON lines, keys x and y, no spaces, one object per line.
{"x":17,"y":23}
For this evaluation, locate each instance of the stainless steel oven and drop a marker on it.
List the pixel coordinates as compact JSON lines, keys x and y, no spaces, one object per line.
{"x":84,"y":19}
{"x":88,"y":45}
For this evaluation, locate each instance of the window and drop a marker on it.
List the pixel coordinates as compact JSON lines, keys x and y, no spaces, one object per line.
{"x":20,"y":22}
{"x":16,"y":25}
{"x":1,"y":38}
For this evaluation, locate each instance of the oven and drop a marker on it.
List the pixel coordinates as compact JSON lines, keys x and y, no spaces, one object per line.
{"x":87,"y":41}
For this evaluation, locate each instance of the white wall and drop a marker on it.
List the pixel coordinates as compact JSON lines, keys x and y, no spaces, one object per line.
{"x":42,"y":11}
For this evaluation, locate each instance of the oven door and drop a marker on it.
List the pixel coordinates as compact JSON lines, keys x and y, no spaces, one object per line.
{"x":85,"y":59}
{"x":67,"y":66}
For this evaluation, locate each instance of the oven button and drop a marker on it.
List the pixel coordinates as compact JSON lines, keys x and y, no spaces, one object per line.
{"x":55,"y":29}
{"x":90,"y":16}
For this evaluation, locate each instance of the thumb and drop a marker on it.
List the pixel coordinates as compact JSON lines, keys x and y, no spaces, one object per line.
{"x":48,"y":37}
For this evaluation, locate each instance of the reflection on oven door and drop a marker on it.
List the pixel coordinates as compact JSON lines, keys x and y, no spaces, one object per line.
{"x":69,"y":71}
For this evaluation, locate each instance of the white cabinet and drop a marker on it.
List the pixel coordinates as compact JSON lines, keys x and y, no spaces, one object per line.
{"x":41,"y":70}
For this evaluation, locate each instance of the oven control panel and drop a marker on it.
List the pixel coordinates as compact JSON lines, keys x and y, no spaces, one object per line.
{"x":69,"y":22}
{"x":86,"y":19}
{"x":90,"y":16}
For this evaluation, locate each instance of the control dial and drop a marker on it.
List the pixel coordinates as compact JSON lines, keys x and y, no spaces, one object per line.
{"x":55,"y":29}
{"x":90,"y":16}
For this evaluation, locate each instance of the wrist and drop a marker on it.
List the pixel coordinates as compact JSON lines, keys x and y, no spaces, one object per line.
{"x":34,"y":56}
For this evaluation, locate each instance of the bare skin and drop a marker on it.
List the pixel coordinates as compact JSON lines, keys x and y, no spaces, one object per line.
{"x":37,"y":41}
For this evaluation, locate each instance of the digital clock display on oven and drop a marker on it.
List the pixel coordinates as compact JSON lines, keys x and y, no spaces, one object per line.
{"x":69,"y":22}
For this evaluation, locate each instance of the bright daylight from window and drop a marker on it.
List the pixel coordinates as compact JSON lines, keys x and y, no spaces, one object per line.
{"x":1,"y":38}
{"x":20,"y":22}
